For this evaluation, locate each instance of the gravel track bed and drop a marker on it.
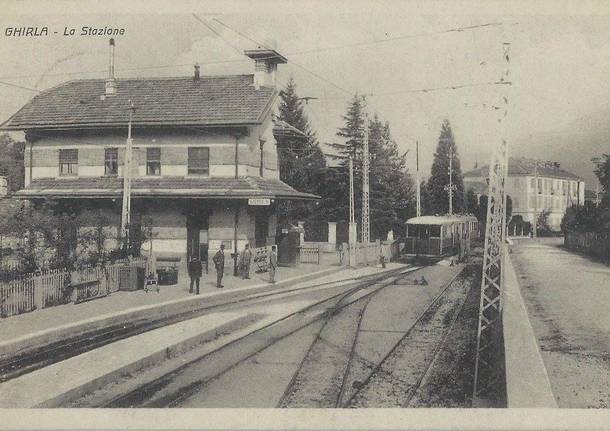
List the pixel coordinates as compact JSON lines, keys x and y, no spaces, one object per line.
{"x":449,"y":382}
{"x":318,"y":382}
{"x":394,"y":383}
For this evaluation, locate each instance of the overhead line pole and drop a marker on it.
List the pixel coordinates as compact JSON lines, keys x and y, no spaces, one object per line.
{"x":418,"y":190}
{"x":450,"y":180}
{"x":536,"y":198}
{"x":489,"y":362}
{"x":126,"y":210}
{"x":352,"y":219}
{"x":366,"y":229}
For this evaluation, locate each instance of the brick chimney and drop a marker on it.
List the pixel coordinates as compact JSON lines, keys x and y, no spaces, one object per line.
{"x":266,"y":60}
{"x":196,"y":75}
{"x":111,"y":82}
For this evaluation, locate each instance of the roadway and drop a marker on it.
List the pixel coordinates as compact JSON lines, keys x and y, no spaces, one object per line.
{"x":567,"y":297}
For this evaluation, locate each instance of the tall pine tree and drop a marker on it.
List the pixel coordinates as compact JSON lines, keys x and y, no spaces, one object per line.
{"x":391,"y":190}
{"x":438,"y":197}
{"x":302,"y":162}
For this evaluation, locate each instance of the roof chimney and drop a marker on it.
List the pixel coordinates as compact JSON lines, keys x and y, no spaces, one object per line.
{"x":111,"y":82}
{"x":266,"y":60}
{"x":196,"y":77}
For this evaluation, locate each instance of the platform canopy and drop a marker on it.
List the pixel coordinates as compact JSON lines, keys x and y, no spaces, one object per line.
{"x":172,"y":187}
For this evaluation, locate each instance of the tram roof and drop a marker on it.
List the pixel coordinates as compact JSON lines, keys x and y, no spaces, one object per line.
{"x":441,"y":220}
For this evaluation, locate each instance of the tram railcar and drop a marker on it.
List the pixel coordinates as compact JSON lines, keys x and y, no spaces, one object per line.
{"x":440,"y":235}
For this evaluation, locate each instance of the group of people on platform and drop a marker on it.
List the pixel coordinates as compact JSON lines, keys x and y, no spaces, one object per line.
{"x":195,"y":267}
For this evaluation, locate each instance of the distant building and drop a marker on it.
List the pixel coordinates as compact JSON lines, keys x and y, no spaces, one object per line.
{"x":556,"y":188}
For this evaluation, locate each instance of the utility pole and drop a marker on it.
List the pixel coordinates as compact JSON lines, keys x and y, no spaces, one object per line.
{"x":366,"y":229}
{"x":418,"y":191}
{"x":450,"y":187}
{"x":126,"y":210}
{"x":352,"y":221}
{"x":489,"y":362}
{"x":450,"y":180}
{"x":536,"y":198}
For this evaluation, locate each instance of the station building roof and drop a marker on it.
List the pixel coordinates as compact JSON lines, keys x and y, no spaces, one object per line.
{"x":224,"y":100}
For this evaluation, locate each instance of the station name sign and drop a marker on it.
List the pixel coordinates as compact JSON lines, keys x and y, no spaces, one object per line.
{"x":259,"y":201}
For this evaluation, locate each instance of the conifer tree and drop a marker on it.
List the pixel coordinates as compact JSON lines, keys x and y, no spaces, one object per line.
{"x":302,"y":162}
{"x":439,"y":176}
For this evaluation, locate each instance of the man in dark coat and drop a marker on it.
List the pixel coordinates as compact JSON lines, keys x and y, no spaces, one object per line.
{"x":195,"y":270}
{"x":219,"y":264}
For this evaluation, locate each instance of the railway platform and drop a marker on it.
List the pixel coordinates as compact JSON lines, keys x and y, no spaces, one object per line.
{"x":68,"y":318}
{"x":52,"y":385}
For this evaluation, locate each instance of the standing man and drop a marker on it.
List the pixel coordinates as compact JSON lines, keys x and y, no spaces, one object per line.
{"x":246,"y":260}
{"x":219,"y":264}
{"x":195,"y":270}
{"x":272,"y":264}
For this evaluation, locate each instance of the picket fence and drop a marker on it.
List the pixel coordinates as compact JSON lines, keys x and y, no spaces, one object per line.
{"x":49,"y":288}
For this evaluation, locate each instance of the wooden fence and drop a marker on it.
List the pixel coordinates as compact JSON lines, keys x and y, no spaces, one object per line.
{"x":369,"y":254}
{"x":595,"y":244}
{"x":49,"y":288}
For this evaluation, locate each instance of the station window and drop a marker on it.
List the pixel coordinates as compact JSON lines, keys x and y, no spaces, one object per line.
{"x":68,"y":162}
{"x":153,"y":161}
{"x":198,"y":161}
{"x":111,"y":161}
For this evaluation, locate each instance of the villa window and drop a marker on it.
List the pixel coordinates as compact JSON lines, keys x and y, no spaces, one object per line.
{"x":111,"y":161}
{"x":153,"y":161}
{"x":198,"y":161}
{"x":68,"y":162}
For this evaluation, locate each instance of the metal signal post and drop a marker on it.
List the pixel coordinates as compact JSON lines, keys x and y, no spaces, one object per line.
{"x":489,"y":363}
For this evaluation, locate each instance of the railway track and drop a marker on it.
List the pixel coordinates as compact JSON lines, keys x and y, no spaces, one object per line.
{"x":171,"y":389}
{"x":177,"y":387}
{"x":313,"y":386}
{"x":17,"y":365}
{"x":396,"y":378}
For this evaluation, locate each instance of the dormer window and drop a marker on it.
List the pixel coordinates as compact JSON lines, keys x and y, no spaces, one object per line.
{"x":153,"y":161}
{"x":68,"y":162}
{"x":199,"y":161}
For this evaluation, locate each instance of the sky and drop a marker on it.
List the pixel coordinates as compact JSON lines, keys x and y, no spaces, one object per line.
{"x":390,"y":51}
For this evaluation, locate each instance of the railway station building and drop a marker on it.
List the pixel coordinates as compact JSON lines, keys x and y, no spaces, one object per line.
{"x":205,"y":165}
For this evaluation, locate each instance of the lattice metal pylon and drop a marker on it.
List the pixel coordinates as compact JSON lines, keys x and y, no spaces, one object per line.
{"x":489,"y":363}
{"x":366,"y":228}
